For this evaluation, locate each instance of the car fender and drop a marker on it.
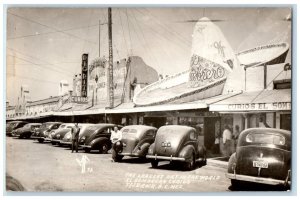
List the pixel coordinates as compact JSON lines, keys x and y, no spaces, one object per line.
{"x":98,"y":141}
{"x":187,"y":151}
{"x":151,"y":149}
{"x":142,"y":149}
{"x":231,"y":163}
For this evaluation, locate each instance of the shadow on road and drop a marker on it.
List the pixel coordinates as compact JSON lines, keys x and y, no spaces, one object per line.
{"x":174,"y":167}
{"x":249,"y":186}
{"x":134,"y":160}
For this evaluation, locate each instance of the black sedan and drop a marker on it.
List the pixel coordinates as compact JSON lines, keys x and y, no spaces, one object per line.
{"x":26,"y":131}
{"x":263,"y":155}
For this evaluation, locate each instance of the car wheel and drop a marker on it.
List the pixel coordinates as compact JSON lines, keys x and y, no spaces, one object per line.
{"x":86,"y":150}
{"x":41,"y":140}
{"x":191,"y":164}
{"x":235,"y":183}
{"x":118,"y":158}
{"x":53,"y":143}
{"x":103,"y":149}
{"x":154,"y":163}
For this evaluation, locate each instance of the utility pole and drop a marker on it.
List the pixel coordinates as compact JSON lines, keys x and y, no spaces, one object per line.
{"x":110,"y":67}
{"x":99,"y":37}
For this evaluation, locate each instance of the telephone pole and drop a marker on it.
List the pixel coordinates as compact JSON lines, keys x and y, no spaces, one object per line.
{"x":110,"y":67}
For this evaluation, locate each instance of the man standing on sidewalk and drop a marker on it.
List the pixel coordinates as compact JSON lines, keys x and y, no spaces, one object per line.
{"x":75,"y":137}
{"x":115,"y":138}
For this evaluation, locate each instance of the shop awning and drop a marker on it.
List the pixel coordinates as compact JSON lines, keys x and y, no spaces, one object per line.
{"x":265,"y":100}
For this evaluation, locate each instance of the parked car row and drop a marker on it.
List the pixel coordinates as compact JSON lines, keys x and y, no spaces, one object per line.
{"x":263,"y":155}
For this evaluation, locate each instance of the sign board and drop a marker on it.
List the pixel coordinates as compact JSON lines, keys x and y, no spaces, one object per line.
{"x":79,"y":99}
{"x":275,"y":106}
{"x":100,"y":87}
{"x":84,"y":75}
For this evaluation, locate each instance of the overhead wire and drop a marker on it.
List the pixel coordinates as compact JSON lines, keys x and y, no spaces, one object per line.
{"x":147,"y":45}
{"x":51,"y":32}
{"x":42,"y":67}
{"x":33,"y":57}
{"x":49,"y":27}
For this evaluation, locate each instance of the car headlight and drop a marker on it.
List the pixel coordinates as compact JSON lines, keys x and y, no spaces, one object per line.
{"x":52,"y":133}
{"x":82,"y":139}
{"x":68,"y":136}
{"x":58,"y":136}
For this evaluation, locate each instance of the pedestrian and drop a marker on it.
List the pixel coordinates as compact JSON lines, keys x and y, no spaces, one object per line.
{"x":115,"y":138}
{"x":75,"y":136}
{"x":227,"y":136}
{"x":216,"y":147}
{"x":236,"y":133}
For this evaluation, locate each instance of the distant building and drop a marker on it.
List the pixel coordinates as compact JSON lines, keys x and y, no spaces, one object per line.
{"x":64,"y":87}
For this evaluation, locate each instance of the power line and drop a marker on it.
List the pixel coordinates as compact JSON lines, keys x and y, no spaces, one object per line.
{"x":123,"y":32}
{"x":166,"y":27}
{"x":60,"y":31}
{"x":57,"y":67}
{"x":129,"y":31}
{"x":149,"y":50}
{"x":43,"y":67}
{"x":46,"y":33}
{"x":33,"y":79}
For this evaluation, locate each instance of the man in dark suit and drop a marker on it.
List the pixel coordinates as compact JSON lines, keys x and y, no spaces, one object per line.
{"x":75,"y":137}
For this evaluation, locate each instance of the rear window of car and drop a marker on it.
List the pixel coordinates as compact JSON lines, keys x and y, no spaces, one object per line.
{"x":129,"y":132}
{"x":263,"y":138}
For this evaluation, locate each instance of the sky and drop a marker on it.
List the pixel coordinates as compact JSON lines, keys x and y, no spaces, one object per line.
{"x":44,"y":45}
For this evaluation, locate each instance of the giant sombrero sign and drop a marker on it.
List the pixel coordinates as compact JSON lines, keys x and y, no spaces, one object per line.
{"x":214,"y":69}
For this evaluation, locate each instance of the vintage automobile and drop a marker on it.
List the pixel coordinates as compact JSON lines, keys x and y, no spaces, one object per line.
{"x":263,"y":155}
{"x":41,"y":133}
{"x":97,"y":137}
{"x":11,"y":126}
{"x":26,"y":131}
{"x":179,"y":144}
{"x":136,"y":140}
{"x":67,"y":139}
{"x":56,"y":135}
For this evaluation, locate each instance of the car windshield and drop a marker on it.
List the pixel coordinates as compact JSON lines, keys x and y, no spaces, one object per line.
{"x":27,"y":126}
{"x":45,"y":125}
{"x":11,"y":124}
{"x":263,"y":138}
{"x":62,"y":126}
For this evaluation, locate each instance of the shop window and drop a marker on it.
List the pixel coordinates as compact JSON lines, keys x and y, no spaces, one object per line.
{"x":285,"y":121}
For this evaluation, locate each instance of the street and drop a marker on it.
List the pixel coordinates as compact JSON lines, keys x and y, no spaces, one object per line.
{"x":44,"y":167}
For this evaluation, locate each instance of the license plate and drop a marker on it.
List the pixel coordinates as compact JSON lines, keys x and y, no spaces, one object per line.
{"x":260,"y":164}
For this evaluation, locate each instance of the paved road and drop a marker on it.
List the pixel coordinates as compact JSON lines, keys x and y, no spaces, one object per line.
{"x":43,"y":167}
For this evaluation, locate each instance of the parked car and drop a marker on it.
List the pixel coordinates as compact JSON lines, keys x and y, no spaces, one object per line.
{"x":97,"y":137}
{"x":177,"y":143}
{"x":263,"y":155}
{"x":136,"y":140}
{"x":41,"y":133}
{"x":67,"y":139}
{"x":10,"y":127}
{"x":56,"y":135}
{"x":26,"y":131}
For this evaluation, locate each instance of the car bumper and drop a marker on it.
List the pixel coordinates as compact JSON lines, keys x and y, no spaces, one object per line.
{"x":268,"y":181}
{"x":86,"y":146}
{"x":55,"y":140}
{"x":64,"y":142}
{"x":48,"y":139}
{"x":36,"y":137}
{"x":171,"y":158}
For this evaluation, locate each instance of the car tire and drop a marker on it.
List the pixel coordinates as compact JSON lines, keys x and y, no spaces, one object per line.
{"x":154,"y":163}
{"x":86,"y":150}
{"x":41,"y":140}
{"x":191,"y":164}
{"x":235,"y":183}
{"x":103,"y":149}
{"x":53,"y":143}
